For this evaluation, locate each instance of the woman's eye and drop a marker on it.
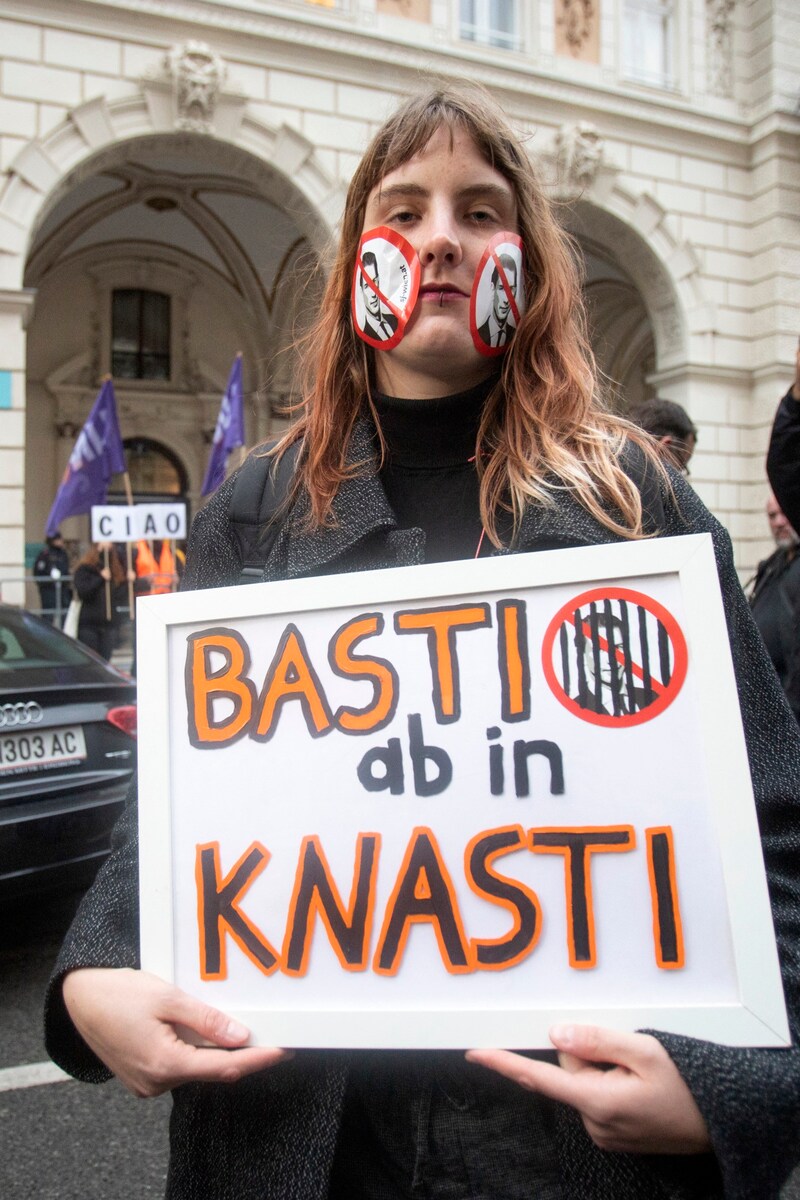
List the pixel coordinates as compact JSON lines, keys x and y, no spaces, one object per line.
{"x":403,"y":216}
{"x":480,"y":216}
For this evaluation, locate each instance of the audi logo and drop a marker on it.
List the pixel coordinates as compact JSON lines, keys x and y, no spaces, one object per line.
{"x":23,"y":713}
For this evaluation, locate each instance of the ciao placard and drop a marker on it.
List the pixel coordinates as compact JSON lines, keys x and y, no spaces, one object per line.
{"x":134,"y":522}
{"x":454,"y":805}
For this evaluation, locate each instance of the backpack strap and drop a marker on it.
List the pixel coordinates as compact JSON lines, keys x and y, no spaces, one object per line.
{"x":261,"y":488}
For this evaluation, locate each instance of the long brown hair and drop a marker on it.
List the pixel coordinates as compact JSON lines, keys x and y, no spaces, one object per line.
{"x":545,"y":426}
{"x":94,"y":558}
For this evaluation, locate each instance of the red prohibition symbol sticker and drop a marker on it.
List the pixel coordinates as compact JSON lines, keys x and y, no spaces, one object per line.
{"x":498,"y":295}
{"x":385,"y":287}
{"x":614,"y":657}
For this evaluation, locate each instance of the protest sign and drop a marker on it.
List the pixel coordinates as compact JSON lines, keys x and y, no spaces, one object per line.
{"x":449,"y":805}
{"x":134,"y":522}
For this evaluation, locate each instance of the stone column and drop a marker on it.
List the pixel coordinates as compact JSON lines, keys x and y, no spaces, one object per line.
{"x":15,"y":308}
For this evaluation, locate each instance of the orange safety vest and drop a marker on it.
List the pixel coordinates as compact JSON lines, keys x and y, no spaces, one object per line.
{"x":161,"y":573}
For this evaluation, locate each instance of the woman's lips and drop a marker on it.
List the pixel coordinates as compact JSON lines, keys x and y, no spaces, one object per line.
{"x":444,"y":293}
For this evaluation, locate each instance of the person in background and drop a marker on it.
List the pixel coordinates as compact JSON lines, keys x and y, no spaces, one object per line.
{"x":100,"y":584}
{"x":672,"y":427}
{"x":775,"y":595}
{"x":783,"y":455}
{"x":50,"y":569}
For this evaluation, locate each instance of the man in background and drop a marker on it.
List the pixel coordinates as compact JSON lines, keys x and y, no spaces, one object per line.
{"x":672,"y":427}
{"x":50,"y":569}
{"x":775,"y":600}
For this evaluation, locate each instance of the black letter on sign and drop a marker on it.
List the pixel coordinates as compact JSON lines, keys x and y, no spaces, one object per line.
{"x":419,"y":753}
{"x":518,"y":899}
{"x":523,"y":751}
{"x":392,"y":780}
{"x":423,"y":892}
{"x":217,"y":903}
{"x":667,"y":927}
{"x":576,"y":845}
{"x":316,"y":894}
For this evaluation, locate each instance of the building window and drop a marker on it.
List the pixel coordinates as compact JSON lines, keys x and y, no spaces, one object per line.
{"x":139,"y":334}
{"x":647,"y":35}
{"x":153,"y":471}
{"x":490,"y":22}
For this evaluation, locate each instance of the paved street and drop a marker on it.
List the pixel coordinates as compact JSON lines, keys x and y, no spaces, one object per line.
{"x":70,"y":1141}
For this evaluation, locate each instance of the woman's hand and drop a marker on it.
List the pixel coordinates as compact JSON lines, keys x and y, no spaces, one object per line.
{"x":640,"y":1105}
{"x":132,"y":1021}
{"x":105,"y":573}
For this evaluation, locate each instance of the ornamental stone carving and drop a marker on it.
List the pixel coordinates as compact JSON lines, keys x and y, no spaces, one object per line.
{"x":719,"y":26}
{"x":579,"y":153}
{"x":578,"y":29}
{"x":197,"y":75}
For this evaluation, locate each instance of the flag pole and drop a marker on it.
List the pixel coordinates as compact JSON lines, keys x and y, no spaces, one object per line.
{"x":126,"y":479}
{"x":108,"y":584}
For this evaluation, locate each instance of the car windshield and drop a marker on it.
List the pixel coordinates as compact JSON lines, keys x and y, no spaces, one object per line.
{"x":25,"y":642}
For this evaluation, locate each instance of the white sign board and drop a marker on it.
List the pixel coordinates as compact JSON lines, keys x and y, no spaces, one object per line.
{"x":134,"y":522}
{"x":448,"y":806}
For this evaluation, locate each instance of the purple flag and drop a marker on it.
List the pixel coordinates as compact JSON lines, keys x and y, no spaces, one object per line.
{"x":96,"y":456}
{"x":229,"y":432}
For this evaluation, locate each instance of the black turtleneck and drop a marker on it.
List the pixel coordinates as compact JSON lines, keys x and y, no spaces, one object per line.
{"x":429,"y":475}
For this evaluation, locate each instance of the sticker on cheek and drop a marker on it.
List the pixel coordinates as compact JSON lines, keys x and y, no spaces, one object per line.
{"x":385,"y":287}
{"x":498,"y":295}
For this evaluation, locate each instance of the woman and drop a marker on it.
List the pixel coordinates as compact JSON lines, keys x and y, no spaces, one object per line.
{"x":99,"y":584}
{"x":438,"y":446}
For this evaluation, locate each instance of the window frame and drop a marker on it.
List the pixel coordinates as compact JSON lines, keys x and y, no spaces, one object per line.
{"x":142,"y":352}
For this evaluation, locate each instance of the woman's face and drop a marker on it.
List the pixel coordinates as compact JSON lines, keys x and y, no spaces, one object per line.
{"x":447,"y":202}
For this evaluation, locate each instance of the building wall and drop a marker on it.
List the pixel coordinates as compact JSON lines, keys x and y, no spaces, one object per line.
{"x":695,"y":190}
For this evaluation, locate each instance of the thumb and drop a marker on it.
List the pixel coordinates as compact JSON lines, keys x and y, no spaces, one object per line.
{"x":595,"y":1044}
{"x":202,"y":1023}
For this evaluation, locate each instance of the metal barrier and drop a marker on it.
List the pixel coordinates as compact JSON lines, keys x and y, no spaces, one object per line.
{"x":56,"y":612}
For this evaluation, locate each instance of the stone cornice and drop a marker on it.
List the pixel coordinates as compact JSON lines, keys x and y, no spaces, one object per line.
{"x":18,"y":302}
{"x":327,"y":42}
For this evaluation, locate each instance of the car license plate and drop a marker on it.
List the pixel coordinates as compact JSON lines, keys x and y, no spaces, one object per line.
{"x":26,"y":751}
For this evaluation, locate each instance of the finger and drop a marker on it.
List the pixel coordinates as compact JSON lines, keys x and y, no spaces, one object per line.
{"x":533,"y":1074}
{"x":571,"y":1063}
{"x":228,"y":1066}
{"x":595,"y":1044}
{"x":212,"y":1025}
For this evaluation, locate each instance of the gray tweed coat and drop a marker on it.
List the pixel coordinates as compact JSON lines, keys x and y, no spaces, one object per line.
{"x":273,"y":1136}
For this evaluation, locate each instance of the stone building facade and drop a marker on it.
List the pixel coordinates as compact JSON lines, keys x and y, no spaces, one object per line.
{"x":172,"y":174}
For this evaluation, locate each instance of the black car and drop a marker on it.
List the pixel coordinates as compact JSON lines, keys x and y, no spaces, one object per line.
{"x":67,"y":754}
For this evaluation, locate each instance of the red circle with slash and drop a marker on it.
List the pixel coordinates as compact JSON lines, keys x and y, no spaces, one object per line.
{"x":385,"y":287}
{"x":614,"y":657}
{"x":481,"y":304}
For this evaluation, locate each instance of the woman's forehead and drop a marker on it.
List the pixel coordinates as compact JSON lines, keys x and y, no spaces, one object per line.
{"x":449,"y":148}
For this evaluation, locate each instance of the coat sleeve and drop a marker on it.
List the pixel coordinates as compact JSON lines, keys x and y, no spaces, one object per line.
{"x":783,"y":458}
{"x":105,"y":930}
{"x":750,"y":1098}
{"x":87,"y":582}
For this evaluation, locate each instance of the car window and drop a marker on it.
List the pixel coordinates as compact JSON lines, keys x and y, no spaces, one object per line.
{"x":27,"y":642}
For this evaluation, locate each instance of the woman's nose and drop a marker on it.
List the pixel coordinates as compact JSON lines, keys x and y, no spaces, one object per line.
{"x":441,"y":242}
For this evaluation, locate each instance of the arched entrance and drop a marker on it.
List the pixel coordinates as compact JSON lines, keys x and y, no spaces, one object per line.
{"x":636,"y":316}
{"x":156,"y":262}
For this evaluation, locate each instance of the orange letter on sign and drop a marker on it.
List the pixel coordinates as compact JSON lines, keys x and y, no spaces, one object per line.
{"x":316,"y":894}
{"x":218,"y":912}
{"x":423,"y":892}
{"x":515,"y":667}
{"x":440,"y":625}
{"x":228,"y":682}
{"x":378,"y":671}
{"x":485,"y":881}
{"x":576,"y":845}
{"x":292,"y":677}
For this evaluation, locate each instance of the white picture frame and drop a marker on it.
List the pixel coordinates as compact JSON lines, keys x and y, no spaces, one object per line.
{"x":684,"y":769}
